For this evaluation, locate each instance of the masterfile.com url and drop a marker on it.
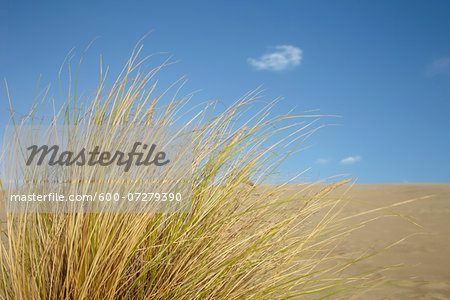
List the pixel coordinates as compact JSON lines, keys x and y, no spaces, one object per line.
{"x":52,"y":197}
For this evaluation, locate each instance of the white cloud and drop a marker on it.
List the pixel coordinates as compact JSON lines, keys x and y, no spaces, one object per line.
{"x":438,"y":66}
{"x":322,"y":161}
{"x":351,"y":160}
{"x":284,"y":56}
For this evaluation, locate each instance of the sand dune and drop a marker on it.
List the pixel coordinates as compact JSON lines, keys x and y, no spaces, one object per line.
{"x":427,"y":248}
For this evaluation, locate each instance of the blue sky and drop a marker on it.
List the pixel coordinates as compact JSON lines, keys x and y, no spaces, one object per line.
{"x":384,"y":66}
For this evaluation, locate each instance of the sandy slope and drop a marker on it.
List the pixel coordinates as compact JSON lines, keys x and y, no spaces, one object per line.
{"x":428,"y":250}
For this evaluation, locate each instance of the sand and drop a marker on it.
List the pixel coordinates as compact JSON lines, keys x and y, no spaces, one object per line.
{"x":427,"y":248}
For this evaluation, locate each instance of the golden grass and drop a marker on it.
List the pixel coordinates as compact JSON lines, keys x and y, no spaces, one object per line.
{"x":232,"y":245}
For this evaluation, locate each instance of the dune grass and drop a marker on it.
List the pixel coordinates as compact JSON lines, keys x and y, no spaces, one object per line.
{"x":233,"y":244}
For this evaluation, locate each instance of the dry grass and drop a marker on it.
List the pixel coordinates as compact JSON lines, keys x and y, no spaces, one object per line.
{"x":232,"y":245}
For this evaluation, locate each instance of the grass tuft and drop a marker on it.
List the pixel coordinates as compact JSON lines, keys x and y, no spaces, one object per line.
{"x":232,"y":245}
